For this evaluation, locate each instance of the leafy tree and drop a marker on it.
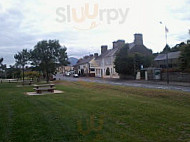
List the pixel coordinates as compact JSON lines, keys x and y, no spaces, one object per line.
{"x":1,"y":61}
{"x":177,"y":47}
{"x":13,"y":72}
{"x":22,"y":59}
{"x":48,"y":55}
{"x":166,"y":49}
{"x":1,"y":65}
{"x":185,"y":58}
{"x":32,"y":74}
{"x":3,"y":68}
{"x":124,"y":63}
{"x":128,"y":64}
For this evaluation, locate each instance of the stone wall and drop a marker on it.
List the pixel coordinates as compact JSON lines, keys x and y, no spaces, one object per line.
{"x":176,"y":76}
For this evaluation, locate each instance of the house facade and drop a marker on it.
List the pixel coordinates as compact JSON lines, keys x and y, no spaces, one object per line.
{"x":103,"y":65}
{"x":105,"y":62}
{"x":173,"y":60}
{"x":85,"y":66}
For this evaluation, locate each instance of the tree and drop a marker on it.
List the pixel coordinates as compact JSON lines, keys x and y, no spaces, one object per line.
{"x":32,"y":74}
{"x":22,"y":59}
{"x":177,"y":47}
{"x":166,"y":49}
{"x":13,"y":72}
{"x":128,"y":64}
{"x":124,"y":62}
{"x":1,"y":61}
{"x":185,"y":57}
{"x":48,"y":55}
{"x":3,"y":68}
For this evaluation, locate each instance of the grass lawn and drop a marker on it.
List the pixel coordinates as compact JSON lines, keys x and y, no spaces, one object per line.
{"x":94,"y":112}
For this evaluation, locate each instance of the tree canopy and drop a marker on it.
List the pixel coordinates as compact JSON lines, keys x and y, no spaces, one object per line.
{"x":128,"y":64}
{"x":48,"y":55}
{"x":185,"y":58}
{"x":1,"y":61}
{"x":22,"y":59}
{"x":123,"y":62}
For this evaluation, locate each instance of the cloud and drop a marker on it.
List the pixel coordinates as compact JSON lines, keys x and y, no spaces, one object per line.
{"x":24,"y":23}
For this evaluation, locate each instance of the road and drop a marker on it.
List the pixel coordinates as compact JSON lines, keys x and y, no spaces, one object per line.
{"x":131,"y":83}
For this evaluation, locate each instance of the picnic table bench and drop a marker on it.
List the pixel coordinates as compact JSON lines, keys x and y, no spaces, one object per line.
{"x":44,"y":87}
{"x":27,"y":82}
{"x":9,"y":80}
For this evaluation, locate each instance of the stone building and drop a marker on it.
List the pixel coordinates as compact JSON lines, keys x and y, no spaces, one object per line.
{"x":138,"y":46}
{"x":85,"y":66}
{"x":173,"y":60}
{"x":103,"y":65}
{"x":105,"y":62}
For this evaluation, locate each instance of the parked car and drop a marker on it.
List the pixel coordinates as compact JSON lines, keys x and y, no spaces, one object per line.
{"x":68,"y":74}
{"x":75,"y":75}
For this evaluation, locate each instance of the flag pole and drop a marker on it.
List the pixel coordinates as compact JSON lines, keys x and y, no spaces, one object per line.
{"x":166,"y":31}
{"x":167,"y":66}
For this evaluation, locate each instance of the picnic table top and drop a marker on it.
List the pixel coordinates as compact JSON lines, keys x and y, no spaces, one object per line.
{"x":43,"y":89}
{"x":42,"y":85}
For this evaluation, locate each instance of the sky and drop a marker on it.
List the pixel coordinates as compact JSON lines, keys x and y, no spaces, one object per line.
{"x":83,"y":26}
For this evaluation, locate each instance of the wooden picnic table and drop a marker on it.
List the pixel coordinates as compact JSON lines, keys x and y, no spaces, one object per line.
{"x":44,"y":87}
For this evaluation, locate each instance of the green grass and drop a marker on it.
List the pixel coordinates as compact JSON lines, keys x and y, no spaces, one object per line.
{"x":94,"y":112}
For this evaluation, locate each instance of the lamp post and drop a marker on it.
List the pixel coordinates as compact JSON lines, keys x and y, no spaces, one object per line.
{"x":167,"y":47}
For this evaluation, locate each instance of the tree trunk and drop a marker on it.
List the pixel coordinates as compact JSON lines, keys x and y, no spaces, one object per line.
{"x":23,"y":74}
{"x":47,"y":77}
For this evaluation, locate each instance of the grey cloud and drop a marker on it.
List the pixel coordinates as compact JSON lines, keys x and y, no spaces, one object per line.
{"x":183,"y":12}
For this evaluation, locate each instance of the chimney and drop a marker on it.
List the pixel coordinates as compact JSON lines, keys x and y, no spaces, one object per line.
{"x":115,"y":45}
{"x":95,"y":55}
{"x":118,"y":44}
{"x":91,"y":55}
{"x":104,"y":48}
{"x":138,"y":39}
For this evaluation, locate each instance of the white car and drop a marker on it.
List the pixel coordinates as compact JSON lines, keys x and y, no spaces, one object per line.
{"x":75,"y":75}
{"x":68,"y":74}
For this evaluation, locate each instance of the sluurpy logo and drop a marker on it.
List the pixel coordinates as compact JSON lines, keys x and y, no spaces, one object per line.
{"x":84,"y":19}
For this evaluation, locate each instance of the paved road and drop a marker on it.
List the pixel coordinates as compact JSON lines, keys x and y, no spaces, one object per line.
{"x":132,"y":83}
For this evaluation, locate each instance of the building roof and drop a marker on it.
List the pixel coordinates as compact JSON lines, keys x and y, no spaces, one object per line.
{"x":85,"y":60}
{"x":171,"y":55}
{"x":131,"y":45}
{"x":108,"y":53}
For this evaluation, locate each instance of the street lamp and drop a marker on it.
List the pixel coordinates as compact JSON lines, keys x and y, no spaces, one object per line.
{"x":167,"y":47}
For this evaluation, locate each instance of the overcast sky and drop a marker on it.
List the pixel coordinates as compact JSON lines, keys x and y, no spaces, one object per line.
{"x":25,"y":22}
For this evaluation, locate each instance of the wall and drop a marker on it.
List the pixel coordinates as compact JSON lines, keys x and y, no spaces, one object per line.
{"x":176,"y":76}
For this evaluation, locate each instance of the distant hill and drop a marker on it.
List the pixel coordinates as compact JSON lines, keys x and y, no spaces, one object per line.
{"x":73,"y":61}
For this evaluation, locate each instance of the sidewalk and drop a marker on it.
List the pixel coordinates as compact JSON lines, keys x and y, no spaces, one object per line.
{"x":185,"y":84}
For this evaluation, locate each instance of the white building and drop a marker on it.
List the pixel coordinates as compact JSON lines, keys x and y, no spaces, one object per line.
{"x":103,"y":65}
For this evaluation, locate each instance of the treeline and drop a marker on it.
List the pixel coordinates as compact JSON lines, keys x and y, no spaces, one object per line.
{"x":42,"y":60}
